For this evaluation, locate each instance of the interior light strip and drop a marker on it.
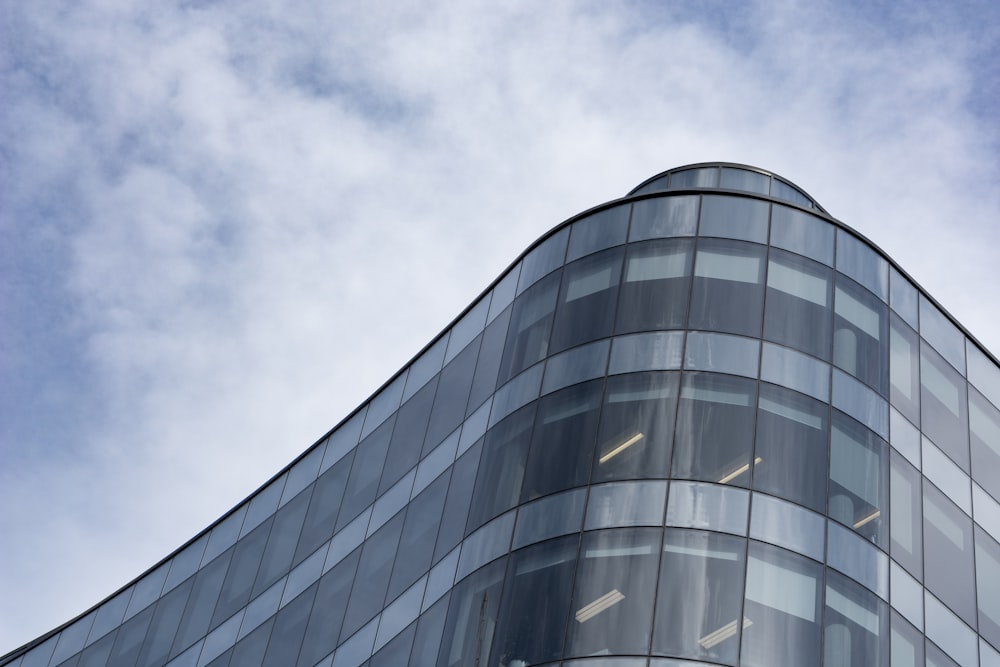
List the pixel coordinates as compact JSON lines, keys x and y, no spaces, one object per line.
{"x":739,"y":471}
{"x":723,"y":633}
{"x":621,"y":448}
{"x":868,"y":519}
{"x":609,"y":599}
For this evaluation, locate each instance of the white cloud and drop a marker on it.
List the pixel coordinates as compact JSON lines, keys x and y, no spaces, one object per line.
{"x":268,"y":212}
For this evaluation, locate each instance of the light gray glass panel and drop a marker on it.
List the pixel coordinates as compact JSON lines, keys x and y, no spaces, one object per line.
{"x":802,"y":233}
{"x":224,"y":535}
{"x":949,"y":570}
{"x":905,"y":514}
{"x":722,"y":353}
{"x":856,"y":626}
{"x":147,"y":590}
{"x":220,"y":639}
{"x":797,"y":310}
{"x":707,"y":506}
{"x":475,"y":426}
{"x":742,"y":179}
{"x":950,"y":633}
{"x":530,"y":327}
{"x":263,"y":505}
{"x":304,"y":575}
{"x":947,"y":476}
{"x":343,"y":439}
{"x":907,"y":594}
{"x":983,"y":373}
{"x":601,"y":230}
{"x":938,"y":330}
{"x":903,"y":297}
{"x":906,"y":644}
{"x":400,"y":613}
{"x":787,"y":525}
{"x":701,"y":177}
{"x":988,"y":585}
{"x":302,"y":474}
{"x":860,"y":402}
{"x":646,"y":352}
{"x":73,"y":638}
{"x":435,"y":463}
{"x":861,"y":335}
{"x":518,"y":392}
{"x":664,"y":217}
{"x":986,"y":511}
{"x":785,"y":191}
{"x":489,"y":542}
{"x":734,"y":217}
{"x":503,"y":293}
{"x":424,"y":368}
{"x":391,"y":502}
{"x":904,"y":369}
{"x":860,"y":262}
{"x":626,"y":504}
{"x":552,"y":516}
{"x":855,"y":556}
{"x":186,"y":563}
{"x":544,"y":259}
{"x":984,"y":432}
{"x":859,"y":475}
{"x":358,"y":648}
{"x":261,"y":608}
{"x":988,"y":656}
{"x":40,"y":655}
{"x":440,"y":578}
{"x":795,"y":370}
{"x":577,"y":365}
{"x":384,"y":404}
{"x":654,"y":185}
{"x":905,"y":437}
{"x":467,"y":328}
{"x":944,"y":411}
{"x":345,"y":541}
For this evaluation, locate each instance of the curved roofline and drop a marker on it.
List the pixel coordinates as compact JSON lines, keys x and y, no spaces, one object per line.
{"x":627,"y":199}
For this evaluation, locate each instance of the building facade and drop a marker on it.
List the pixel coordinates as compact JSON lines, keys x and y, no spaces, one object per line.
{"x":704,"y":424}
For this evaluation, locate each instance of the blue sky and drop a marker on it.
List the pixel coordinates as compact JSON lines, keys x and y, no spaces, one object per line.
{"x":223,"y":225}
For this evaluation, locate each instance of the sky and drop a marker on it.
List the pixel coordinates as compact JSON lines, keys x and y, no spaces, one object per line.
{"x":223,"y":225}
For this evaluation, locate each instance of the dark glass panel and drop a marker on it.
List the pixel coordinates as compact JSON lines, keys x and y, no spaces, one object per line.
{"x":428,"y":637}
{"x":855,"y":629}
{"x":198,"y":611}
{"x":655,"y":286}
{"x":372,"y":579}
{"x":277,"y":558}
{"x":984,"y":429}
{"x":562,"y":445}
{"x":938,"y":658}
{"x":861,"y":262}
{"x":289,"y":627}
{"x":369,"y":457}
{"x":456,"y":507}
{"x":742,"y":179}
{"x":988,"y":585}
{"x":452,"y":395}
{"x":488,"y":365}
{"x":472,"y":617}
{"x":702,"y":177}
{"x":905,"y":516}
{"x":904,"y":369}
{"x":547,"y":256}
{"x":715,"y":419}
{"x":861,"y":335}
{"x":662,"y":217}
{"x":728,"y":291}
{"x":129,"y":640}
{"x":637,"y":426}
{"x":530,"y":325}
{"x":949,"y":568}
{"x":790,"y":454}
{"x":249,"y":651}
{"x":397,"y":651}
{"x":586,"y":308}
{"x":242,"y":572}
{"x":698,"y":603}
{"x":416,"y":544}
{"x":781,"y":615}
{"x":323,"y":507}
{"x":906,"y":643}
{"x":166,"y":618}
{"x":96,"y":655}
{"x":408,"y":436}
{"x":501,"y":472}
{"x":601,"y":230}
{"x":859,"y":479}
{"x":734,"y":217}
{"x":944,"y":410}
{"x":797,"y":312}
{"x":223,"y":660}
{"x":323,"y":629}
{"x":613,"y":602}
{"x":536,"y":602}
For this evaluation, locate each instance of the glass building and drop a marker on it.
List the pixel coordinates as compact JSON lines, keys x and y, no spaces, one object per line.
{"x":704,"y":424}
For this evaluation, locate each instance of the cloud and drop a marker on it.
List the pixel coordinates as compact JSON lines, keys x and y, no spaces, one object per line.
{"x":250,"y":217}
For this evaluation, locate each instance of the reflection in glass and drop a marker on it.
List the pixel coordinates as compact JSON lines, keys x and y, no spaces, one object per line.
{"x":984,"y":429}
{"x":655,"y":286}
{"x":664,"y":217}
{"x":699,"y":597}
{"x":802,"y":233}
{"x":502,"y":469}
{"x":734,"y":217}
{"x":702,"y":177}
{"x":859,"y":470}
{"x":601,"y":230}
{"x":859,"y":261}
{"x":743,"y":179}
{"x":854,"y":626}
{"x":904,"y":369}
{"x":988,"y":585}
{"x":797,"y":310}
{"x":905,"y":519}
{"x":613,"y":602}
{"x":472,"y":618}
{"x":949,"y":570}
{"x":586,"y":309}
{"x":860,"y":335}
{"x":530,"y":324}
{"x":728,"y":291}
{"x":943,"y":406}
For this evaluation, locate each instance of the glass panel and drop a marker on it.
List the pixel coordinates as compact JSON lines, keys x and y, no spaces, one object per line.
{"x":722,"y":353}
{"x":637,"y":426}
{"x":949,"y":570}
{"x":72,"y":639}
{"x":562,"y":447}
{"x":530,"y":324}
{"x":855,"y":626}
{"x":943,"y":409}
{"x":734,"y":217}
{"x":905,"y":437}
{"x":787,"y":525}
{"x":343,"y":440}
{"x":585,"y":362}
{"x":428,"y":637}
{"x":484,"y":382}
{"x":288,"y":630}
{"x":277,"y":558}
{"x":472,"y":618}
{"x":861,"y":263}
{"x":859,"y":471}
{"x":947,"y":476}
{"x":163,"y":627}
{"x":486,"y":544}
{"x":983,"y":373}
{"x":857,"y":558}
{"x":653,"y":185}
{"x":861,"y":336}
{"x":946,"y":338}
{"x":452,"y":396}
{"x":263,"y":505}
{"x":702,"y":177}
{"x":904,"y":369}
{"x":456,"y":507}
{"x":323,"y":507}
{"x":907,"y":594}
{"x":128,"y":641}
{"x":198,"y":611}
{"x":408,"y":436}
{"x":646,"y":352}
{"x":372,"y":578}
{"x":626,"y":504}
{"x":536,"y":602}
{"x":802,"y":233}
{"x":790,"y":454}
{"x":467,"y":329}
{"x":715,"y":420}
{"x":365,"y":472}
{"x":587,"y":298}
{"x":601,"y":230}
{"x":783,"y":601}
{"x":860,"y":402}
{"x":655,"y":286}
{"x":708,"y":506}
{"x":796,"y":371}
{"x":384,"y":405}
{"x":546,"y":257}
{"x":425,"y":367}
{"x":613,"y":601}
{"x":110,"y":614}
{"x":903,"y":297}
{"x":728,"y":291}
{"x":502,"y":470}
{"x":699,"y":597}
{"x":984,"y":429}
{"x":664,"y":217}
{"x":905,"y":515}
{"x":503,"y":293}
{"x":550,"y":517}
{"x":416,"y":544}
{"x":242,"y":572}
{"x":395,"y":652}
{"x":988,"y":585}
{"x":947,"y":631}
{"x":789,"y":193}
{"x":797,"y":311}
{"x":741,"y":179}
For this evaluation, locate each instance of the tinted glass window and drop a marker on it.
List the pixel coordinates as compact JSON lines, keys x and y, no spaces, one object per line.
{"x":944,"y":411}
{"x":904,"y":369}
{"x":734,"y":217}
{"x":472,"y":618}
{"x":906,"y":517}
{"x":859,"y":475}
{"x":655,"y":286}
{"x":598,"y":231}
{"x":586,"y":309}
{"x":728,"y":291}
{"x":948,"y":557}
{"x":408,"y":435}
{"x":530,"y":325}
{"x":861,"y":335}
{"x":984,"y":428}
{"x":502,"y":471}
{"x":664,"y":217}
{"x":855,"y":626}
{"x":797,"y":311}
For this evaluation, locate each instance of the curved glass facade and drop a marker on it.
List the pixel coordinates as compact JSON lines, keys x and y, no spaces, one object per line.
{"x":706,"y":424}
